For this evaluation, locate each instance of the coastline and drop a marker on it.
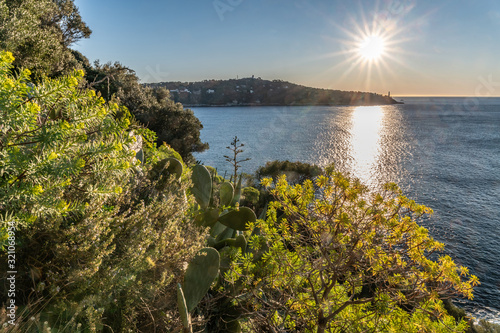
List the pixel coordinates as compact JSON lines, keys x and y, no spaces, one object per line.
{"x":258,"y":92}
{"x":394,"y":102}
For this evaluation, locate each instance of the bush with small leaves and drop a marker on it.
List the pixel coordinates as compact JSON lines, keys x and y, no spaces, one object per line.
{"x":99,"y":244}
{"x":341,"y":259}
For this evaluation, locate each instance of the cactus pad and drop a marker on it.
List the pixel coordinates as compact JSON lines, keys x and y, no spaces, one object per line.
{"x":226,"y":193}
{"x":202,"y":185}
{"x":200,"y":274}
{"x":238,"y":219}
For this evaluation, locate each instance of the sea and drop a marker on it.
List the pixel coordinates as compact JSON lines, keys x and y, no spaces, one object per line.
{"x":443,"y":152}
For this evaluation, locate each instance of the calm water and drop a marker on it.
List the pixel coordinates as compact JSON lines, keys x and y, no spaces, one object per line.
{"x":443,"y":152}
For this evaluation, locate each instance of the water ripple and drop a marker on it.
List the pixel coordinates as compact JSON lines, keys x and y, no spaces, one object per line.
{"x":441,"y":155}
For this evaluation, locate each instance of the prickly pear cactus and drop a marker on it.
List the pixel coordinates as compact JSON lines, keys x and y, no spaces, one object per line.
{"x":202,"y":185}
{"x":166,"y":167}
{"x":207,"y":218}
{"x":237,"y":193}
{"x":225,"y":233}
{"x":174,"y":166}
{"x":217,"y":229}
{"x":183,"y":311}
{"x":226,"y":193}
{"x":237,"y":219}
{"x":163,"y":170}
{"x":241,"y":242}
{"x":200,"y":274}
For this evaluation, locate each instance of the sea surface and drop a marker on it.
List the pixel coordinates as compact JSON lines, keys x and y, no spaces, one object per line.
{"x":443,"y":152}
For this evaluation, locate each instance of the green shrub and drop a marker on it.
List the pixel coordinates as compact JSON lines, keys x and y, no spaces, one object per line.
{"x":484,"y":326}
{"x":60,"y":147}
{"x":296,"y":172}
{"x":97,"y":245}
{"x":250,"y":195}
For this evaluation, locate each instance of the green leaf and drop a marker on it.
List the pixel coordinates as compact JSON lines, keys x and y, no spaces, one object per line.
{"x":208,"y":218}
{"x":183,"y":311}
{"x":238,"y":219}
{"x":226,"y":193}
{"x":200,"y":274}
{"x":237,"y":193}
{"x":202,"y":185}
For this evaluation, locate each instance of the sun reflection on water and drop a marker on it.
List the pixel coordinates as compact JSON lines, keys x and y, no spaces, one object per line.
{"x":365,"y":141}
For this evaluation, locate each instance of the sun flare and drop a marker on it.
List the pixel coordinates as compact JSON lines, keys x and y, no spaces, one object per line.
{"x":372,"y":48}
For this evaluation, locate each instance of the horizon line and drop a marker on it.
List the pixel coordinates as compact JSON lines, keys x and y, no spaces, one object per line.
{"x":446,"y":96}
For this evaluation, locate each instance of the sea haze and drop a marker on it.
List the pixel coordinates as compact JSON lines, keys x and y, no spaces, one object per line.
{"x":443,"y":152}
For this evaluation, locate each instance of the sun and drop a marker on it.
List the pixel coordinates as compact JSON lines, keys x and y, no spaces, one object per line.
{"x":371,"y":48}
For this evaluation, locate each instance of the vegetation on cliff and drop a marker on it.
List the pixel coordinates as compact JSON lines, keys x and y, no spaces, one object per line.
{"x":152,"y":107}
{"x":113,"y":230}
{"x":103,"y":229}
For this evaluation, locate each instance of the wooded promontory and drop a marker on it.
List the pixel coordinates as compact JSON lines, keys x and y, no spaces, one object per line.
{"x":258,"y":92}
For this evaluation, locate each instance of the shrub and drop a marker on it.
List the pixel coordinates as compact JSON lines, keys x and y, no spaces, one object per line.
{"x":335,"y":258}
{"x":251,"y":195}
{"x":154,"y":108}
{"x":97,"y":246}
{"x":296,"y":172}
{"x":60,"y":147}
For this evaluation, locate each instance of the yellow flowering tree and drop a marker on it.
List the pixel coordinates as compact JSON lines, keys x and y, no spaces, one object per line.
{"x":62,"y":157}
{"x":59,"y":145}
{"x":333,"y":257}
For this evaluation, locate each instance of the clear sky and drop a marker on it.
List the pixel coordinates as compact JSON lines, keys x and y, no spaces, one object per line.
{"x":439,"y":47}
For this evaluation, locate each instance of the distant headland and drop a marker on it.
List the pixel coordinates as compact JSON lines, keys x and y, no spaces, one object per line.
{"x":258,"y":92}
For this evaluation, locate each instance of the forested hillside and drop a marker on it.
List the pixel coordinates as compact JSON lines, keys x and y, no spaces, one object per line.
{"x":256,"y":91}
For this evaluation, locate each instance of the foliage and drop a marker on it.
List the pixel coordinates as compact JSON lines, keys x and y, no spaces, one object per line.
{"x":340,"y":259}
{"x":121,"y":257}
{"x":166,"y":151}
{"x":60,"y":147}
{"x":100,"y":246}
{"x":108,"y":78}
{"x":174,"y":125}
{"x":123,"y":260}
{"x":40,"y":32}
{"x":251,"y":195}
{"x":296,"y":172}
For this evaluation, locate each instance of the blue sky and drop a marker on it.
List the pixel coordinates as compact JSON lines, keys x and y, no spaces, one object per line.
{"x":448,"y":47}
